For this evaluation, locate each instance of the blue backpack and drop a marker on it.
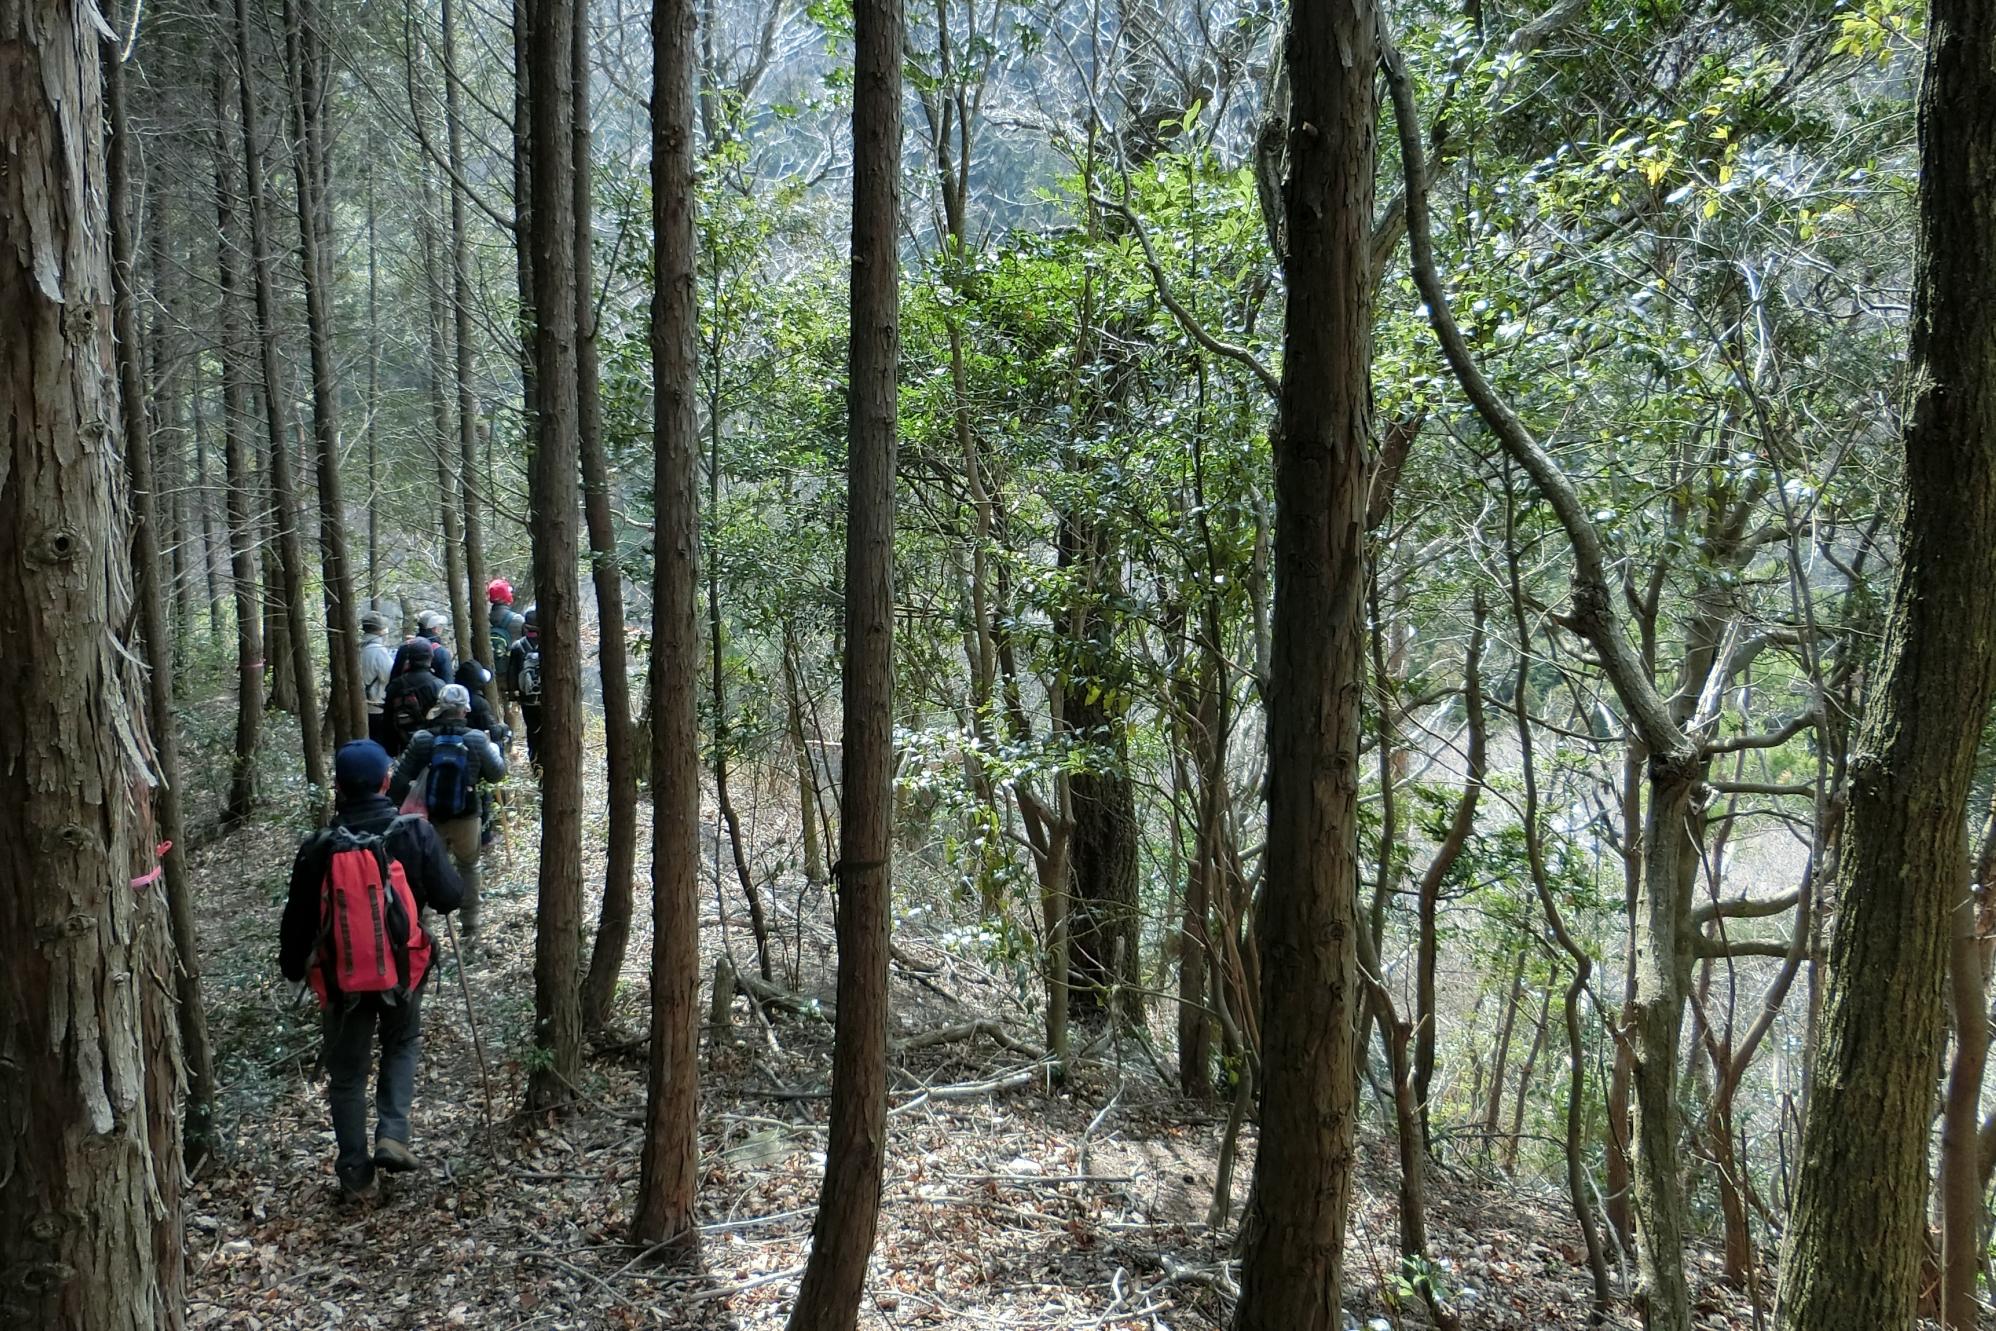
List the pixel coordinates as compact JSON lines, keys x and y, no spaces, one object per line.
{"x":453,"y":791}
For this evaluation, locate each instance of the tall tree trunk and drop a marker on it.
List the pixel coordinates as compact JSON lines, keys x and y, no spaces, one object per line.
{"x":450,"y":490}
{"x":1292,"y":1268}
{"x":849,"y":1205}
{"x":669,"y":1175}
{"x":523,"y":216}
{"x":90,"y":1170}
{"x":613,"y":925}
{"x":1852,"y":1250}
{"x":373,"y":389}
{"x":1621,"y":1078}
{"x":718,"y":682}
{"x":808,"y":813}
{"x":177,"y":533}
{"x":1960,"y":1182}
{"x":480,"y":611}
{"x":1208,"y":745}
{"x":314,"y":177}
{"x":1104,"y":931}
{"x":204,"y":494}
{"x":552,"y":500}
{"x":284,"y":490}
{"x":1493,"y":1112}
{"x":276,"y":630}
{"x":196,"y":1053}
{"x":237,"y":472}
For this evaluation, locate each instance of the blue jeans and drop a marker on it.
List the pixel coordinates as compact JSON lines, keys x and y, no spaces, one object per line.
{"x":349,"y":1055}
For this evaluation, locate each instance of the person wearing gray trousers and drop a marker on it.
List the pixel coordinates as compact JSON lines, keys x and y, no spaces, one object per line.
{"x":451,"y":716}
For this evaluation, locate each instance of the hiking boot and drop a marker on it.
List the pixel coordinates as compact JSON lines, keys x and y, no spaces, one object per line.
{"x":358,"y":1185}
{"x":394,"y":1156}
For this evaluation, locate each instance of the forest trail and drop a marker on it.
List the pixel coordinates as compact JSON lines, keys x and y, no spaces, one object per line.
{"x":1000,"y":1209}
{"x":1163,"y":544}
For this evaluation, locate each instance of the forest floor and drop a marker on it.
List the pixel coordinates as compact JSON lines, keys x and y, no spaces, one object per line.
{"x":1029,"y":1206}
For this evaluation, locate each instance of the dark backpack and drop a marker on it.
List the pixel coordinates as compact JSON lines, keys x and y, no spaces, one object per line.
{"x":529,"y":687}
{"x":453,"y":788}
{"x":409,"y":707}
{"x":371,"y":940}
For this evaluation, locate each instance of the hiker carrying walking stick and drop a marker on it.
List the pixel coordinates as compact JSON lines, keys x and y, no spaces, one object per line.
{"x":353,"y":929}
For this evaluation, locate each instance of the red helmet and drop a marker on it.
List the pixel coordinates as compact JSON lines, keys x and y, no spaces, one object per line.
{"x":499,"y":592}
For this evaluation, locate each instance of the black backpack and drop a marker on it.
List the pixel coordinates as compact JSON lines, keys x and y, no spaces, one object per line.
{"x":408,"y":705}
{"x":453,"y":788}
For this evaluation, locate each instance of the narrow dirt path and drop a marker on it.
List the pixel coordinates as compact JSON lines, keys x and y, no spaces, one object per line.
{"x":1001,"y":1209}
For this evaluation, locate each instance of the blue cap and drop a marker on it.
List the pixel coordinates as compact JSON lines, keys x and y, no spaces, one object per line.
{"x":363,"y":764}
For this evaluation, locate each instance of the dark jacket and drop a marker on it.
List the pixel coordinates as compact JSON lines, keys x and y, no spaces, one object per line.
{"x":412,"y":679}
{"x":439,"y":657}
{"x":507,"y":623}
{"x":412,"y":843}
{"x":487,"y":763}
{"x":414,"y":654}
{"x":475,"y":677}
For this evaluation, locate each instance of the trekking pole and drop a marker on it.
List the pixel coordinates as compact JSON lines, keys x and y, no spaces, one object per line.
{"x":477,"y":1041}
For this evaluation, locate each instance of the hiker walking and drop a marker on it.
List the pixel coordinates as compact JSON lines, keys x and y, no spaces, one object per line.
{"x":412,"y":692}
{"x":523,"y":680}
{"x":430,"y":626}
{"x":377,"y":664}
{"x":475,"y":678}
{"x":505,"y":620}
{"x":353,"y":928}
{"x":450,"y":759}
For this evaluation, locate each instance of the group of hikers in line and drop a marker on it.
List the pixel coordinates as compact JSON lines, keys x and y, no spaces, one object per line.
{"x":402,"y":685}
{"x":412,"y":814}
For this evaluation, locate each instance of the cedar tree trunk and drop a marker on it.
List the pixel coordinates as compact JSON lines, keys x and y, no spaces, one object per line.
{"x":315,"y":225}
{"x":1292,"y":1266}
{"x":90,"y":1165}
{"x":849,"y":1206}
{"x":283,"y":485}
{"x":199,"y":1058}
{"x":613,"y":926}
{"x":240,"y":477}
{"x":477,"y":607}
{"x":553,"y":497}
{"x":669,"y":1177}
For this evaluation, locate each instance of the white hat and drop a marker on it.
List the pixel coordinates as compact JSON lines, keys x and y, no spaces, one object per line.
{"x":455,"y":697}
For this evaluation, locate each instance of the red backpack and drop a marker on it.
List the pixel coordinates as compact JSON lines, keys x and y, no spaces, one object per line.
{"x":371,"y":940}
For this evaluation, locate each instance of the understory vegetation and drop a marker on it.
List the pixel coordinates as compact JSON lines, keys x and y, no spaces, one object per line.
{"x":1229,"y":663}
